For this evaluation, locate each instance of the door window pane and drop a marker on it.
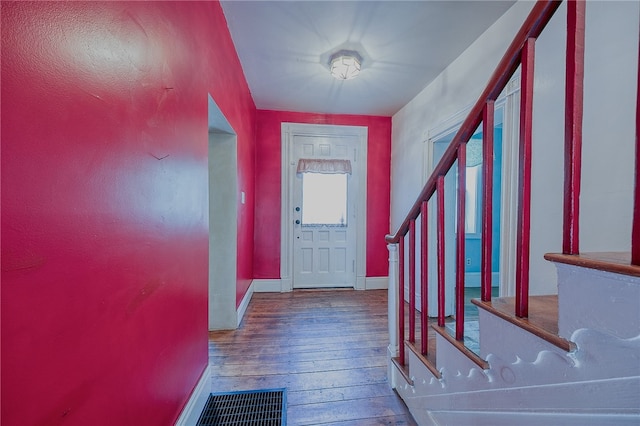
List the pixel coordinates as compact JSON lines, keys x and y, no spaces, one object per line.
{"x":324,"y":199}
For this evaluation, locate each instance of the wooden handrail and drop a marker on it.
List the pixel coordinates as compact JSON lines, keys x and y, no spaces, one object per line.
{"x":424,"y":264}
{"x":635,"y":231}
{"x":401,"y":300}
{"x":440,"y":253}
{"x":460,"y":239}
{"x":532,"y":27}
{"x":412,"y":281}
{"x":487,"y":200}
{"x":523,"y":237}
{"x":573,"y":125}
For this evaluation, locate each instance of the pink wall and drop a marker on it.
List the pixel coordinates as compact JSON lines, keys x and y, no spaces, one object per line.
{"x":105,"y":205}
{"x":268,"y":152}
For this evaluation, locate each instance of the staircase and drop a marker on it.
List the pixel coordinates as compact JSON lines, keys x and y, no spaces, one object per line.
{"x":585,"y":372}
{"x":571,"y":358}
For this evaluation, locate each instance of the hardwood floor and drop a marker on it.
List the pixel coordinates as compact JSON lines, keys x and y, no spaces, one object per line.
{"x":328,"y":348}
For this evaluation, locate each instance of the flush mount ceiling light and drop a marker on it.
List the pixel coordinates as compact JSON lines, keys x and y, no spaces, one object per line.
{"x":345,"y":64}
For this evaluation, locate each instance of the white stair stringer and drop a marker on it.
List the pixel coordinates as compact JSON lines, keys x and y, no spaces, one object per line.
{"x":527,"y":418}
{"x":530,"y":381}
{"x":600,"y":379}
{"x":538,"y":405}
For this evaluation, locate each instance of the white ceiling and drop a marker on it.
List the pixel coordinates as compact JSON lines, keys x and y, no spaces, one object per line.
{"x":284,"y":48}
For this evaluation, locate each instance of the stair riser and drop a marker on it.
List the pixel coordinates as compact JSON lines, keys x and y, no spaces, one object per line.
{"x":597,"y":300}
{"x":505,"y":340}
{"x":451,"y":359}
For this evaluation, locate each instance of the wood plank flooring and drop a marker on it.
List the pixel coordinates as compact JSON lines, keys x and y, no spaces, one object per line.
{"x":328,"y":348}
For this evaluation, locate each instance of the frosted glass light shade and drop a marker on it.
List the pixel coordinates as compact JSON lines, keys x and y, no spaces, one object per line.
{"x":345,"y":64}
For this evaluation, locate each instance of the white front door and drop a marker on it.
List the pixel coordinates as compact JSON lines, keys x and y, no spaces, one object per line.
{"x":324,"y":211}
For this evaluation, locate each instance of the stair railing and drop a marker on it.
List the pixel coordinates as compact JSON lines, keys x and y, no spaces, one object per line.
{"x":519,"y":54}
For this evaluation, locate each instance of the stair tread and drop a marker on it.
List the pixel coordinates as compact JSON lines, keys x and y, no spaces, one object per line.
{"x":610,"y":261}
{"x":460,"y":344}
{"x":542,"y":320}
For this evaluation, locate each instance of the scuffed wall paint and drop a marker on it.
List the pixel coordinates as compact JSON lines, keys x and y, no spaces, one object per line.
{"x":105,"y":205}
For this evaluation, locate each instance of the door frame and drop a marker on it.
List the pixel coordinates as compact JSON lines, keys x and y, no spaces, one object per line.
{"x":509,"y":100}
{"x":288,"y":132}
{"x":223,"y":221}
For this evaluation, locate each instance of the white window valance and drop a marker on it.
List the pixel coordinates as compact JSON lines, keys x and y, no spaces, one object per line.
{"x":311,"y":165}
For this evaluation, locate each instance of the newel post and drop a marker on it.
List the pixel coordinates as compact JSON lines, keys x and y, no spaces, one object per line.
{"x":392,"y":350}
{"x":392,"y":300}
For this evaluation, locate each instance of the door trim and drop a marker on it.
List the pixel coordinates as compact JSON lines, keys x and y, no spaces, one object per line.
{"x":223,"y":220}
{"x":289,"y":130}
{"x":509,"y":100}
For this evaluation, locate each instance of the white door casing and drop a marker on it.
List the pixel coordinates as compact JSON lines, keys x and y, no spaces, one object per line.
{"x":305,"y":248}
{"x":509,"y":101}
{"x":223,"y":220}
{"x":324,"y":254}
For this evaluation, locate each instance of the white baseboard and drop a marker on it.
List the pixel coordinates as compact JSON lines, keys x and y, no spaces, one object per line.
{"x":392,"y":352}
{"x":245,"y":303}
{"x":376,"y":283}
{"x":267,"y":285}
{"x":192,"y":410}
{"x":274,"y":285}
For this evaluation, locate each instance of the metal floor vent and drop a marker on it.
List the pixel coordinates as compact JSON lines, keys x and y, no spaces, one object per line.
{"x":245,"y":408}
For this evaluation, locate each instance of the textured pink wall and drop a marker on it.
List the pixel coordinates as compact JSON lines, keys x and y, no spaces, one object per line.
{"x":105,"y":205}
{"x":267,"y":239}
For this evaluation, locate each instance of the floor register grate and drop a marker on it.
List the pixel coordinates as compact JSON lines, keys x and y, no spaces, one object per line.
{"x":245,"y":408}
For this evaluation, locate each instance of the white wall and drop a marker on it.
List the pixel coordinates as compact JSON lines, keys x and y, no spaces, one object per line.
{"x":223,"y":225}
{"x":455,"y":89}
{"x":609,"y":124}
{"x":609,"y":117}
{"x":223,"y":221}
